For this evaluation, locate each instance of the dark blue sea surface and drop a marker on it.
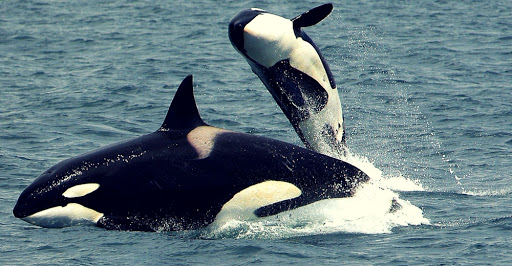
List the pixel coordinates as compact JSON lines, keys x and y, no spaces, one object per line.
{"x":426,"y":90}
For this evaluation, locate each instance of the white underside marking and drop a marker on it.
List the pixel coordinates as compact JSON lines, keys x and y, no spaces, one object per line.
{"x":269,"y":38}
{"x":306,"y":59}
{"x":80,"y":190}
{"x":244,"y":203}
{"x":69,"y":215}
{"x":203,"y":138}
{"x":312,"y":127}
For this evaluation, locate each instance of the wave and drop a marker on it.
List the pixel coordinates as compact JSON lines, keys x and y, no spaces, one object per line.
{"x":487,"y":193}
{"x":495,"y":223}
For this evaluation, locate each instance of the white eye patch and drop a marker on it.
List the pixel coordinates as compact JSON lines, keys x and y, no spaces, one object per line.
{"x":80,"y":190}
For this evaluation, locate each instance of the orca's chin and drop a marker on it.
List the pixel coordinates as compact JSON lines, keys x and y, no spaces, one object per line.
{"x":59,"y":217}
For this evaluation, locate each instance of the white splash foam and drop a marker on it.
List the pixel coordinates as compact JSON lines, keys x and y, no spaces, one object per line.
{"x":392,"y":182}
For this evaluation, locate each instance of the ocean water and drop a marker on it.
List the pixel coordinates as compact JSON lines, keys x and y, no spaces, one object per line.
{"x":426,"y":90}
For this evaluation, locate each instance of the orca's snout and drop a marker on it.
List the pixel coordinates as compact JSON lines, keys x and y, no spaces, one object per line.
{"x":20,"y":209}
{"x":18,"y":212}
{"x":237,"y":25}
{"x":30,"y":202}
{"x":236,"y":33}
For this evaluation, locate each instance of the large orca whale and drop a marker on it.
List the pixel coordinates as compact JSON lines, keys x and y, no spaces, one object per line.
{"x":182,"y":176}
{"x":294,"y":71}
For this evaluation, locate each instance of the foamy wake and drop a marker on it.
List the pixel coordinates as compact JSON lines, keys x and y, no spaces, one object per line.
{"x":375,"y":208}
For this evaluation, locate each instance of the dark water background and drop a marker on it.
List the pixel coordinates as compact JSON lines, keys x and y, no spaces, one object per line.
{"x":426,"y":91}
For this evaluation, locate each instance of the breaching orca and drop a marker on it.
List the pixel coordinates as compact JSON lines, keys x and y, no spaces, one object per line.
{"x":294,"y":71}
{"x":182,"y":176}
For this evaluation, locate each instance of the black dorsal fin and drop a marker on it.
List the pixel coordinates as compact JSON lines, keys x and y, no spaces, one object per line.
{"x":313,"y":16}
{"x":183,"y":113}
